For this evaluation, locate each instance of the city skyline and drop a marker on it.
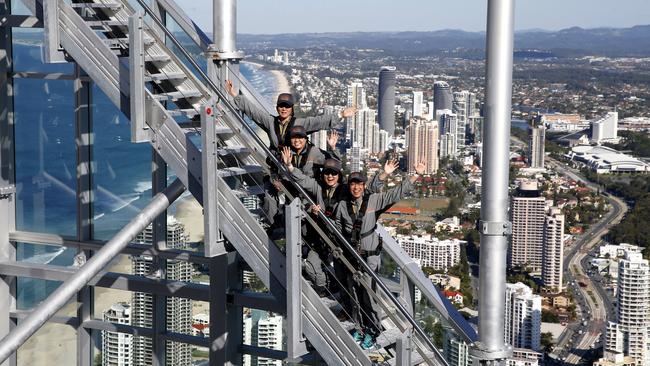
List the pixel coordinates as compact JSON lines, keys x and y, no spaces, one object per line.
{"x":418,"y":15}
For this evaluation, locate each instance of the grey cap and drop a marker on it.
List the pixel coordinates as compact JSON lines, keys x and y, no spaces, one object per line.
{"x":285,"y":98}
{"x":357,"y":177}
{"x":332,"y":164}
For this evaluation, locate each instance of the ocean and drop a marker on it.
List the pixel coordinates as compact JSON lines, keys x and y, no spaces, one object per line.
{"x":46,"y":168}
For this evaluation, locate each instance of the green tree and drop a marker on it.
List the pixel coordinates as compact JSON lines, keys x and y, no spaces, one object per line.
{"x":547,"y":341}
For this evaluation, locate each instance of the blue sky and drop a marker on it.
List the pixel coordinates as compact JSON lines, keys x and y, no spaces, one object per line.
{"x":302,"y":16}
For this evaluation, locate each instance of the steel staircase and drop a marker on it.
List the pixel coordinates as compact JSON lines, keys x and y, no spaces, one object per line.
{"x":164,"y":98}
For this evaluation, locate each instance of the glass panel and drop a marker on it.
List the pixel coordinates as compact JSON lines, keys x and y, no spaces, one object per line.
{"x":187,"y":43}
{"x":123,"y":169}
{"x":45,"y":156}
{"x":31,"y":291}
{"x":105,"y":298}
{"x":53,"y":344}
{"x":263,"y":329}
{"x":186,"y":218}
{"x":18,"y":8}
{"x":28,"y":53}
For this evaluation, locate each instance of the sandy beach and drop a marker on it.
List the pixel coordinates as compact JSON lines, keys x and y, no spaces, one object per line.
{"x":282,"y":81}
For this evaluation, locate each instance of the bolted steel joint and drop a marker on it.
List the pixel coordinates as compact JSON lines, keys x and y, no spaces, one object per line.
{"x":495,"y":228}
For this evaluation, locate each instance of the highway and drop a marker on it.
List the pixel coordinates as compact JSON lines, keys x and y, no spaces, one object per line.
{"x":593,"y":303}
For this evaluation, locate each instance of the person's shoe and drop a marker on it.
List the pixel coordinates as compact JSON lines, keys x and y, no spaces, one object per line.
{"x":368,"y":342}
{"x":357,"y":336}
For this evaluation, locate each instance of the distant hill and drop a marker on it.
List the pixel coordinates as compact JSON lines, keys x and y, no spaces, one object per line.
{"x":634,"y":41}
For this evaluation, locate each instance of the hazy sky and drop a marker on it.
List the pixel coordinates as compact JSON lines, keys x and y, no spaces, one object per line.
{"x":302,"y":16}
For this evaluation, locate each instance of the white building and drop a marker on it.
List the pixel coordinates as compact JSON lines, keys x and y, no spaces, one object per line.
{"x":553,"y":250}
{"x":523,"y":317}
{"x":117,"y":348}
{"x":452,"y":134}
{"x":604,"y":160}
{"x":605,"y":129}
{"x":431,"y":252}
{"x":629,"y":335}
{"x":179,"y":310}
{"x":455,"y":350}
{"x":527,"y":216}
{"x":269,"y":335}
{"x":524,"y":357}
{"x":418,"y":103}
{"x":536,"y":145}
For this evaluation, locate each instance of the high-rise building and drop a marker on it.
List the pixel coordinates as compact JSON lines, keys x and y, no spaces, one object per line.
{"x":629,"y":335}
{"x":431,"y":252}
{"x":523,"y":317}
{"x":605,"y":129}
{"x":354,"y":156}
{"x":536,"y":146}
{"x":553,"y":250}
{"x":269,"y":335}
{"x":527,"y":217}
{"x":430,"y":112}
{"x":179,"y":310}
{"x":418,"y":103}
{"x":452,"y":135}
{"x":356,"y":98}
{"x":117,"y":347}
{"x":423,"y":145}
{"x":455,"y":350}
{"x":386,"y":99}
{"x":441,"y":96}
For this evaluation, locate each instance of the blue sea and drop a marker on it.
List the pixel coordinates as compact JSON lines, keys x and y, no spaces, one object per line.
{"x":46,"y":168}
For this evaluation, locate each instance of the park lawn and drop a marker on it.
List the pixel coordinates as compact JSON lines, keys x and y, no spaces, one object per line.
{"x":425,"y":204}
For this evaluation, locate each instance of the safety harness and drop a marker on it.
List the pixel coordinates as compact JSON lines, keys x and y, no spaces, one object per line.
{"x":357,"y":235}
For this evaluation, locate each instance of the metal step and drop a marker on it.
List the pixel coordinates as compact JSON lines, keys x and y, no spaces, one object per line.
{"x":106,"y":23}
{"x":156,"y":58}
{"x":233,"y":151}
{"x":176,"y":95}
{"x":234,"y":171}
{"x":125,"y":41}
{"x":112,"y":6}
{"x":165,"y":76}
{"x":187,"y":112}
{"x":248,"y":191}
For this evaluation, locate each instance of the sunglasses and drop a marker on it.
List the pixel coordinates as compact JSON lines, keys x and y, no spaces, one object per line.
{"x":285,"y":105}
{"x":330,"y":172}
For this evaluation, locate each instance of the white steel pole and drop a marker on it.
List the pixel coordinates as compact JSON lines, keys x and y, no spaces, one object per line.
{"x":494,"y":225}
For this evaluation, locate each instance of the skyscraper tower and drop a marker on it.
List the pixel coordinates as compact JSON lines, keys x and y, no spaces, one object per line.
{"x":441,"y":96}
{"x":553,"y":251}
{"x":536,"y":154}
{"x":356,"y":98}
{"x":527,"y":217}
{"x":423,"y":145}
{"x":386,"y":99}
{"x":179,"y":310}
{"x":523,"y":317}
{"x":117,"y":347}
{"x":418,"y":103}
{"x":629,"y":335}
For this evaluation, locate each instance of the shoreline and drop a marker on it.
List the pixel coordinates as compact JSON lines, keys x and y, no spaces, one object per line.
{"x":282,"y":84}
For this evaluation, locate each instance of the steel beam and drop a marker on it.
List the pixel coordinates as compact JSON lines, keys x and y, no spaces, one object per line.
{"x":7,"y":177}
{"x":295,"y":342}
{"x":224,"y":30}
{"x":139,"y":131}
{"x":159,"y":240}
{"x":51,"y":45}
{"x":21,"y":21}
{"x":494,"y":194}
{"x":101,"y":259}
{"x":85,"y":198}
{"x":214,"y":244}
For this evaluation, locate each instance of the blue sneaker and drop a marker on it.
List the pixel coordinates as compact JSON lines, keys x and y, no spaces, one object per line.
{"x":357,"y":336}
{"x":368,"y":342}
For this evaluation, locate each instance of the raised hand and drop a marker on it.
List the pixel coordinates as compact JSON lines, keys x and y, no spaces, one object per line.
{"x":349,"y":112}
{"x":332,"y":139}
{"x":286,"y":155}
{"x":420,"y":168}
{"x":390,"y":166}
{"x":230,"y":88}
